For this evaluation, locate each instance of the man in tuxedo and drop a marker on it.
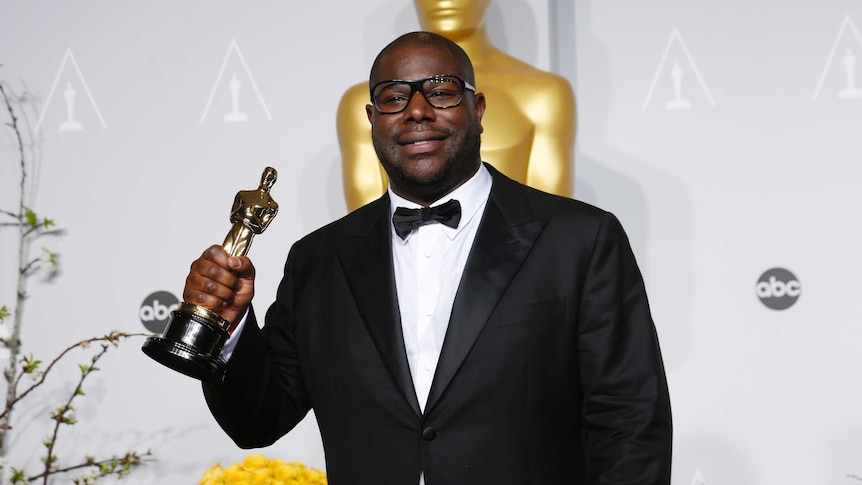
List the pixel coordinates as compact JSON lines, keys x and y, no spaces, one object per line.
{"x":461,"y":329}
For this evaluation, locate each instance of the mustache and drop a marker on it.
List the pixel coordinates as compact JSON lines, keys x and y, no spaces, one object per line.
{"x":421,"y":131}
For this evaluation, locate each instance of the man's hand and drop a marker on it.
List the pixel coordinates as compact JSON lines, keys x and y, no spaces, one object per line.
{"x":221,"y":283}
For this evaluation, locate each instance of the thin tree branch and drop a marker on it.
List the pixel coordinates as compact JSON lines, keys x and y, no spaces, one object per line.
{"x":128,"y":460}
{"x":112,"y":338}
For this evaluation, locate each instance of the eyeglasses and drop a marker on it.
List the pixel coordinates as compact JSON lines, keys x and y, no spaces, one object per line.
{"x":441,"y":91}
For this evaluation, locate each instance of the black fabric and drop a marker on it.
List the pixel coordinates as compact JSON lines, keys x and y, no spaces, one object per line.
{"x":405,"y":220}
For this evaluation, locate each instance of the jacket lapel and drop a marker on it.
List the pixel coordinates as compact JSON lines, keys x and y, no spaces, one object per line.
{"x":504,"y":239}
{"x":366,"y":256}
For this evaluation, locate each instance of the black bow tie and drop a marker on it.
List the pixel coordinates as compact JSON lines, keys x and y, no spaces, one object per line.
{"x":405,"y":220}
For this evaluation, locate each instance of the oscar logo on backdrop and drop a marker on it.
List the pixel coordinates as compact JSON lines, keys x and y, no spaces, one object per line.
{"x":194,"y":337}
{"x":684,"y":73}
{"x":70,"y":124}
{"x":851,"y":91}
{"x":529,"y":123}
{"x":236,"y":115}
{"x":678,"y":102}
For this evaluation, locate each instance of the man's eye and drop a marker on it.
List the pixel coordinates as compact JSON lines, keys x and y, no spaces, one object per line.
{"x":394,"y":99}
{"x":440,"y":94}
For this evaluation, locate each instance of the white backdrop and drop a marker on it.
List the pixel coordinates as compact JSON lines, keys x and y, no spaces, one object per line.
{"x":147,"y":182}
{"x":725,"y":135}
{"x":747,"y":159}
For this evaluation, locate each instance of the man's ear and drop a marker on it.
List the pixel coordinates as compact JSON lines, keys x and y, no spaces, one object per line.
{"x":369,"y":110}
{"x":479,"y":106}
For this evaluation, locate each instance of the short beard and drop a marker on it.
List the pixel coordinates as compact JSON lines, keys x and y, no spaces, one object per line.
{"x":461,"y":164}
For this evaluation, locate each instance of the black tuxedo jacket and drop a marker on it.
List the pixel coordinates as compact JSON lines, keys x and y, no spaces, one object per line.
{"x":550,"y":370}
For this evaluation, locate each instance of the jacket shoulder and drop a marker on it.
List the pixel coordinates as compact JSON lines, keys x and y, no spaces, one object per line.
{"x":358,"y":222}
{"x":517,"y":198}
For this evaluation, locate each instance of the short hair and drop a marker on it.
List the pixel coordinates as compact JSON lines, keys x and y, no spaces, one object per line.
{"x":428,"y":39}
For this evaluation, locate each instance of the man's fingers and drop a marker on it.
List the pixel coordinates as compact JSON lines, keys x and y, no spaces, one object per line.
{"x":211,"y":283}
{"x":244,"y":269}
{"x":205,"y":300}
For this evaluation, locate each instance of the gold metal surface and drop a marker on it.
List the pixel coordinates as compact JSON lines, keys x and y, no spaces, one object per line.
{"x":204,"y":313}
{"x":251,"y":213}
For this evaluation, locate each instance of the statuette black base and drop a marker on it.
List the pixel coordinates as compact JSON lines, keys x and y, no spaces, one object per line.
{"x":191,"y":343}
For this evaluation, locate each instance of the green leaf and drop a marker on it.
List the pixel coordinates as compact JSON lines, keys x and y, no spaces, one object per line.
{"x":48,"y":223}
{"x":4,"y":313}
{"x":31,"y":219}
{"x":29,"y":364}
{"x":18,"y":476}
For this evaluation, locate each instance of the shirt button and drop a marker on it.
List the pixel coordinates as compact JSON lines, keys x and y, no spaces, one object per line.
{"x":429,"y":433}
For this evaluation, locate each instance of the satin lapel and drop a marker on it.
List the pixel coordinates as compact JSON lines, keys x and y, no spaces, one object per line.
{"x":500,"y":248}
{"x":367,"y":260}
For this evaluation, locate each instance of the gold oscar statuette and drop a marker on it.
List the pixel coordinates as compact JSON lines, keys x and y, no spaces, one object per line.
{"x":194,"y":336}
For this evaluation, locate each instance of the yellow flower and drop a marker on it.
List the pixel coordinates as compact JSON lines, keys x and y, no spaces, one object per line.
{"x":235,"y":475}
{"x":214,"y":471}
{"x":310,"y":476}
{"x":212,"y":476}
{"x":258,"y":470}
{"x":259,"y":477}
{"x":284,"y":473}
{"x":253,"y":462}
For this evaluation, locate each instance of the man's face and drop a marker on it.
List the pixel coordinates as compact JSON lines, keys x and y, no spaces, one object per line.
{"x":427,"y":152}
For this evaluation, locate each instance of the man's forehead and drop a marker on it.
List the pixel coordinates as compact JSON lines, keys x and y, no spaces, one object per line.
{"x":416,"y":62}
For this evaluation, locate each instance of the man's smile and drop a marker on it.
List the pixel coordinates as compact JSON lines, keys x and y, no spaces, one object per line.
{"x":416,"y":142}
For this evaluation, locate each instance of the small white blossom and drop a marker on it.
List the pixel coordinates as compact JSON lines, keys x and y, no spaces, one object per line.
{"x":47,"y":261}
{"x":89,"y":477}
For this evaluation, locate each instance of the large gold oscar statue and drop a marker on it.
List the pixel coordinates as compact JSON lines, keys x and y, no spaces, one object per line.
{"x":529,"y":123}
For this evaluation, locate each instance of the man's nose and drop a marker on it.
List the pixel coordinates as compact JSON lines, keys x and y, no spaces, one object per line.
{"x":418,"y":107}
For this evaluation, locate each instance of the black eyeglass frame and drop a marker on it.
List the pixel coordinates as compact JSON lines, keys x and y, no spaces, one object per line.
{"x":416,"y":86}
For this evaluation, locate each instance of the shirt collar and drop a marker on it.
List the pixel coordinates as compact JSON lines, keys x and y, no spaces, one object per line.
{"x":472,"y":194}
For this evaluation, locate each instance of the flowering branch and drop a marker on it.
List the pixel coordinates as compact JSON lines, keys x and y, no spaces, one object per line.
{"x":64,"y":414}
{"x":30,"y":227}
{"x":30,"y":366}
{"x":120,"y":466}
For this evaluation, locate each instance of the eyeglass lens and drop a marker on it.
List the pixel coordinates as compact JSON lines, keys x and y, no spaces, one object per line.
{"x":440,"y":91}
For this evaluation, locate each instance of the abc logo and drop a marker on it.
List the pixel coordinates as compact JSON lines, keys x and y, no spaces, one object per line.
{"x":778,"y":289}
{"x":156,"y":310}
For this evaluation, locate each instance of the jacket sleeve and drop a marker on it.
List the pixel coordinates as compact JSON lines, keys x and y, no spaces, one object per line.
{"x":626,"y":411}
{"x":262,"y":396}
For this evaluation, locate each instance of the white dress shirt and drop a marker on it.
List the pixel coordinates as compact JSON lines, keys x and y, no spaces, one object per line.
{"x":428,"y":266}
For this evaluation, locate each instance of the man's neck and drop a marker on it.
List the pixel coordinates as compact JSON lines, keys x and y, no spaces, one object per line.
{"x":426,"y":198}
